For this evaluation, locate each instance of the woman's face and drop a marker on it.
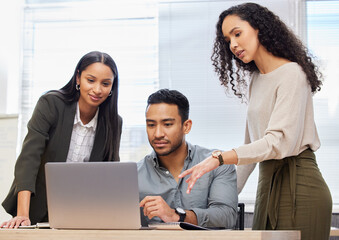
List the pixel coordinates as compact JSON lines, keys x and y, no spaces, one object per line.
{"x":242,"y":38}
{"x":95,"y":85}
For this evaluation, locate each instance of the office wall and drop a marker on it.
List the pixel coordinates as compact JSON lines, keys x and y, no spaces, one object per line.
{"x":10,"y":52}
{"x":8,"y":144}
{"x":10,"y":62}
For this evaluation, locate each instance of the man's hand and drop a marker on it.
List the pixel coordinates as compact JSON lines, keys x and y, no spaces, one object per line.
{"x":155,"y":206}
{"x":16,"y":222}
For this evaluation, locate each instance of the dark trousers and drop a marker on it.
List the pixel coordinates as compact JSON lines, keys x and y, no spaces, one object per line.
{"x":292,"y":195}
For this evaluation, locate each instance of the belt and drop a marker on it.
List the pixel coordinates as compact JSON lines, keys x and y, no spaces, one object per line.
{"x":287,"y":165}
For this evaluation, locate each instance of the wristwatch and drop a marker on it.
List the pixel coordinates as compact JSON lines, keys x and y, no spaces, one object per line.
{"x":182,"y":214}
{"x":217,"y":154}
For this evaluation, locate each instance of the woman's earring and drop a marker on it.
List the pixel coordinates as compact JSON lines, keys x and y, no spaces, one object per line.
{"x":110,"y":93}
{"x":77,"y":87}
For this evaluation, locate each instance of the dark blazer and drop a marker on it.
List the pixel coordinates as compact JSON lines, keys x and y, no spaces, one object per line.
{"x":48,"y":139}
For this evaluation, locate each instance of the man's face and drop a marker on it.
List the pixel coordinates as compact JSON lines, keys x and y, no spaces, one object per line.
{"x":165,"y":131}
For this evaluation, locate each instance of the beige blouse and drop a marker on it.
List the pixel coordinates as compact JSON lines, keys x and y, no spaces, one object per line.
{"x":280,"y":118}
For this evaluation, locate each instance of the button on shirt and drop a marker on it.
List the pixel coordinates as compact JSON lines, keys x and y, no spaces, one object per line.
{"x":213,"y":199}
{"x":82,"y":138}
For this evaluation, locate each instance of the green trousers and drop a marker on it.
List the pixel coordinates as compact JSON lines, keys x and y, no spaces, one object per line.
{"x":292,"y":195}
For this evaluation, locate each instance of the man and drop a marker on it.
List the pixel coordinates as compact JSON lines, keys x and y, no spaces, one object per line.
{"x":213,"y":203}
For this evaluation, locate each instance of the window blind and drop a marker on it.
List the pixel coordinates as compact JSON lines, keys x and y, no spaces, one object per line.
{"x":323,"y":41}
{"x":169,"y":44}
{"x":58,"y":33}
{"x":186,"y":37}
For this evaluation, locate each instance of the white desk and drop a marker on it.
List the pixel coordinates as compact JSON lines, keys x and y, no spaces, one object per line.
{"x":52,"y":234}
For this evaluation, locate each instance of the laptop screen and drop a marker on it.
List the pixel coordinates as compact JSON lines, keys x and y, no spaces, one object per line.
{"x":93,"y":195}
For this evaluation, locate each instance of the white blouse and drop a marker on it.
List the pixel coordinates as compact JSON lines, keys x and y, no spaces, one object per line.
{"x":82,"y":139}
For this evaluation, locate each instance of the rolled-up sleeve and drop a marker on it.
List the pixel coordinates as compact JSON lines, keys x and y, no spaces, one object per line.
{"x":222,"y":205}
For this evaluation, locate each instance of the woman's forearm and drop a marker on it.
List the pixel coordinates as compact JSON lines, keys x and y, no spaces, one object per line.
{"x":230,"y":157}
{"x":24,"y":198}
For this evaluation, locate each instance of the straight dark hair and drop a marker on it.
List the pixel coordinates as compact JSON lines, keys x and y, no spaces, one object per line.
{"x":108,"y":109}
{"x":171,"y":97}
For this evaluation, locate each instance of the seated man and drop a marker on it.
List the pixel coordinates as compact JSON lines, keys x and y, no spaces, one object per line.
{"x":213,"y":200}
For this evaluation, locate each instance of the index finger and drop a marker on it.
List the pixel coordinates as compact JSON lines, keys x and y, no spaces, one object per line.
{"x":185,"y":173}
{"x":191,"y":181}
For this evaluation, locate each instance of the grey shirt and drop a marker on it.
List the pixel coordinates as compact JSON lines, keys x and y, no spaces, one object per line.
{"x":213,"y":199}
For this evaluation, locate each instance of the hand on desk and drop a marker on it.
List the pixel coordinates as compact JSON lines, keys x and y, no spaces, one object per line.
{"x":155,"y":206}
{"x":16,"y":222}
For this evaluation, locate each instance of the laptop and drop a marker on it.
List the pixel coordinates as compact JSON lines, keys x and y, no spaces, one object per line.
{"x":93,"y":195}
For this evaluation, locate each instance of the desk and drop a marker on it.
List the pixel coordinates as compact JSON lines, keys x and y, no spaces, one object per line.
{"x":334,"y":231}
{"x":52,"y":234}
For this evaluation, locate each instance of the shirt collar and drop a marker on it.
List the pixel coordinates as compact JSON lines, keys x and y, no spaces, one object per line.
{"x":189,"y":156}
{"x":91,"y":124}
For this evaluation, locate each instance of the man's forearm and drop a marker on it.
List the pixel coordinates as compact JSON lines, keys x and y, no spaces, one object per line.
{"x":191,"y":217}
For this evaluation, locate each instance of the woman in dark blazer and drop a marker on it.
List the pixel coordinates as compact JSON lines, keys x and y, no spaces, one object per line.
{"x":87,"y":103}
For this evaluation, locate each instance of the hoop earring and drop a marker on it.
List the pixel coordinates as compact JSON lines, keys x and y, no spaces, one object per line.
{"x":77,"y":87}
{"x":110,"y":93}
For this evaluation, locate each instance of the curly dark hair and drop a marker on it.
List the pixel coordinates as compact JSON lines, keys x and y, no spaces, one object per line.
{"x":274,"y":35}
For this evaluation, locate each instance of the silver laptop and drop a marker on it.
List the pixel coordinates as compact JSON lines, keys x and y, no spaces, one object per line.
{"x":93,"y":195}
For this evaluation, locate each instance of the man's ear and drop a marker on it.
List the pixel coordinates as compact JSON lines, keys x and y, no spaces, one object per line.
{"x":187,"y":125}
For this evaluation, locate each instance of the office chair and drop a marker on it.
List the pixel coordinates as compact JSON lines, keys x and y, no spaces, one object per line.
{"x":240,"y":224}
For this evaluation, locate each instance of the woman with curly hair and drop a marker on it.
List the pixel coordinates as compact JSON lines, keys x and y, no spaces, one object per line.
{"x":77,"y":123}
{"x":252,"y":43}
